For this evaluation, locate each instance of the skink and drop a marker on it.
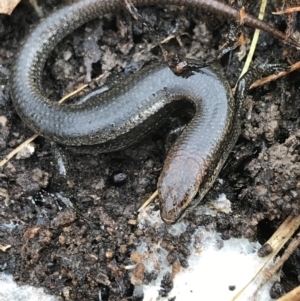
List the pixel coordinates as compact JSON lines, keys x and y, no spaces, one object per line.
{"x":134,"y":108}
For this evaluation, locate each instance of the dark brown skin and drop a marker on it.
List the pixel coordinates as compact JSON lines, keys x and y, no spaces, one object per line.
{"x":126,"y":114}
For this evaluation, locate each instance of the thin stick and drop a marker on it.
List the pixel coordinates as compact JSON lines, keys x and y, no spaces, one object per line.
{"x":272,"y":77}
{"x":289,"y":10}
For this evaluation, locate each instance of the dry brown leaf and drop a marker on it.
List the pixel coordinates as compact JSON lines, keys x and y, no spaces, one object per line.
{"x":7,"y":6}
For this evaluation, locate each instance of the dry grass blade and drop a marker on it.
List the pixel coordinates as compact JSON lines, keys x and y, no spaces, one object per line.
{"x":73,"y":93}
{"x":152,"y":197}
{"x":254,"y":39}
{"x":16,"y":150}
{"x":277,"y":241}
{"x":283,"y":234}
{"x":286,"y":255}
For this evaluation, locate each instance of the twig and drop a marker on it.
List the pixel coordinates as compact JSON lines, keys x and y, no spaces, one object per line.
{"x":288,"y":10}
{"x":265,"y":80}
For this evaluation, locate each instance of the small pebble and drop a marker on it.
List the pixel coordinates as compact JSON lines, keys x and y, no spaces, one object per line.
{"x":276,"y":290}
{"x":109,"y":254}
{"x":118,"y":178}
{"x":26,"y":151}
{"x":3,"y":121}
{"x":265,"y":250}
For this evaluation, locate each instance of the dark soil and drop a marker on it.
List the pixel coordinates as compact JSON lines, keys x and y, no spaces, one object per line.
{"x":51,"y":245}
